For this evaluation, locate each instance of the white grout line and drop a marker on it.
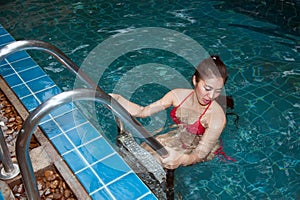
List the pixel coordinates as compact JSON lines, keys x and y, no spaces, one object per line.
{"x":6,"y":34}
{"x":23,"y":81}
{"x":144,"y":195}
{"x":94,"y":163}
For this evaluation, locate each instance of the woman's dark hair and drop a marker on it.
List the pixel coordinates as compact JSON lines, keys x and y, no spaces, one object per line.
{"x":211,"y":67}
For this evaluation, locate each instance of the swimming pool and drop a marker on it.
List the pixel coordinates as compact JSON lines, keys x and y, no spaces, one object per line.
{"x":263,"y":59}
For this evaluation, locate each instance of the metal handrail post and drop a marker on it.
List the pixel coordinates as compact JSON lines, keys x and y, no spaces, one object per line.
{"x":170,"y":173}
{"x":64,"y":60}
{"x":9,"y":170}
{"x":31,"y":122}
{"x":21,"y":45}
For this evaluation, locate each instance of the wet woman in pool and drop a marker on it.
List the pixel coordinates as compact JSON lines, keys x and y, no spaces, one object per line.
{"x":199,"y":117}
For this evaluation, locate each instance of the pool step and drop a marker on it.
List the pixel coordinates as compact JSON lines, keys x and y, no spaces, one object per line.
{"x":143,"y":164}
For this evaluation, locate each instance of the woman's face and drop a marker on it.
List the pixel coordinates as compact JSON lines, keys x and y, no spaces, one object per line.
{"x":209,"y":89}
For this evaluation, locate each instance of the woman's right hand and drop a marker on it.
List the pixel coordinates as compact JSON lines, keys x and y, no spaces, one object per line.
{"x":173,"y":160}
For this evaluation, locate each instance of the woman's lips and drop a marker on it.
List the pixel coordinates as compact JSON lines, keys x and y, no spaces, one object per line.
{"x":206,"y":101}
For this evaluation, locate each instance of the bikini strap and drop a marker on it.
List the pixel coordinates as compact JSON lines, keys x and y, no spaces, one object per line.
{"x":205,"y":110}
{"x":185,"y":99}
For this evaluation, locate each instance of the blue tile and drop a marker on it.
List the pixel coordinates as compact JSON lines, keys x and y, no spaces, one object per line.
{"x":18,"y":56}
{"x":89,"y":180}
{"x":111,"y":168}
{"x":13,"y":80}
{"x":5,"y":39}
{"x":82,"y":134}
{"x":46,"y":94}
{"x":96,"y":150}
{"x":50,"y":128}
{"x":63,"y":109}
{"x":23,"y":64}
{"x":5,"y":69}
{"x":45,"y":118}
{"x":70,"y":120}
{"x":30,"y":102}
{"x":149,"y":197}
{"x":128,"y":187}
{"x":21,"y":90}
{"x":32,"y":73}
{"x":2,"y":31}
{"x":62,"y":144}
{"x":40,"y":83}
{"x":1,"y":196}
{"x":3,"y":62}
{"x":101,"y":195}
{"x":75,"y":161}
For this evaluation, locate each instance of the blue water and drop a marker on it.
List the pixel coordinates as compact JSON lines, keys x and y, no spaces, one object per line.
{"x":259,"y":43}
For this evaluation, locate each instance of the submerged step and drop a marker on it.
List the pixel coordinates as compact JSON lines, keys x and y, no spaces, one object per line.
{"x":143,"y":164}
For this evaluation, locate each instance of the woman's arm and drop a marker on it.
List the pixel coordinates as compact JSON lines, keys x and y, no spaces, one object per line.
{"x":140,"y":111}
{"x":132,"y":108}
{"x":176,"y":158}
{"x":204,"y":147}
{"x":209,"y":139}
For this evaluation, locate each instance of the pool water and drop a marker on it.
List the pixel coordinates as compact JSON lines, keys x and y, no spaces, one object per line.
{"x":262,"y":54}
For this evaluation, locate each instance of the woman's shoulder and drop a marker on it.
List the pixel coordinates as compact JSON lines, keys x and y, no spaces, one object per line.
{"x":216,"y":108}
{"x":218,"y":113}
{"x":181,"y":91}
{"x":179,"y":94}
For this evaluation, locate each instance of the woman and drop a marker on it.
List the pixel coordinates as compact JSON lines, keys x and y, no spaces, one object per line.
{"x":200,"y":118}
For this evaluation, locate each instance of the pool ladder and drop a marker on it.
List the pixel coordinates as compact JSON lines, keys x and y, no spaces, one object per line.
{"x":95,"y":93}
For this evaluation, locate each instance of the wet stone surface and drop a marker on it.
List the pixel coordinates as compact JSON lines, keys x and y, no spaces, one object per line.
{"x":50,"y":184}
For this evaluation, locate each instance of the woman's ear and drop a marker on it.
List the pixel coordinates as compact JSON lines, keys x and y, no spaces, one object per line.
{"x":194,"y":81}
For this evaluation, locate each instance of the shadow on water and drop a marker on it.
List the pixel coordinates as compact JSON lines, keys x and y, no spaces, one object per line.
{"x":273,"y":32}
{"x":285,"y":14}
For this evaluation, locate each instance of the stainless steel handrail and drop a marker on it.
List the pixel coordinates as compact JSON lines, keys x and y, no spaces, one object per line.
{"x":64,"y":60}
{"x":23,"y":140}
{"x":21,"y":45}
{"x":8,"y":170}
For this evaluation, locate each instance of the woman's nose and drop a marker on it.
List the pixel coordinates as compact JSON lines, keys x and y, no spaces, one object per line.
{"x":211,"y":95}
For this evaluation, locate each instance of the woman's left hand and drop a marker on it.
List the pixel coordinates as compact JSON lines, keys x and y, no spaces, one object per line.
{"x":174,"y":159}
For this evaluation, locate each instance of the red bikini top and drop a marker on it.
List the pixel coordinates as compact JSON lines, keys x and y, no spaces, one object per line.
{"x":195,"y":128}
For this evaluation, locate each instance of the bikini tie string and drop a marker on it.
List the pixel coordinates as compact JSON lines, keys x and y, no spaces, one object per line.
{"x":220,"y":152}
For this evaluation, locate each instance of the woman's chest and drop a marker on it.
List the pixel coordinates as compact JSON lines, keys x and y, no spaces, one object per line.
{"x":191,"y":116}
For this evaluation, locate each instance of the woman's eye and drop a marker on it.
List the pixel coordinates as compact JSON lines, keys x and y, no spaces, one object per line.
{"x":207,"y":89}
